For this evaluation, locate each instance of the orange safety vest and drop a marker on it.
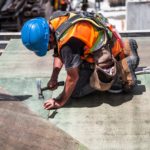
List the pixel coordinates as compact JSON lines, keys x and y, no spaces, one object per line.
{"x":118,"y":47}
{"x":88,"y":34}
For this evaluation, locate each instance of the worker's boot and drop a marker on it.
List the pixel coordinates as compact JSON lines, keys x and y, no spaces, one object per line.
{"x":130,"y":51}
{"x":130,"y":63}
{"x":126,"y":79}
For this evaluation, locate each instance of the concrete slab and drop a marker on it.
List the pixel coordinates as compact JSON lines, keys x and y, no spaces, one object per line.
{"x":16,"y":61}
{"x":25,"y":90}
{"x":108,"y":121}
{"x":21,"y":129}
{"x":99,"y":121}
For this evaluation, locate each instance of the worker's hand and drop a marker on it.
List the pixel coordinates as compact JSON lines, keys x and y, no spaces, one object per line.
{"x":52,"y":84}
{"x":49,"y":104}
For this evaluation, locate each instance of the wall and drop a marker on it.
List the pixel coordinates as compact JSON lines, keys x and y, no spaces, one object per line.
{"x":138,"y":15}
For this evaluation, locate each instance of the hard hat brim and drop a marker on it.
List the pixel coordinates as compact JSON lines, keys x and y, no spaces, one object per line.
{"x":41,"y":53}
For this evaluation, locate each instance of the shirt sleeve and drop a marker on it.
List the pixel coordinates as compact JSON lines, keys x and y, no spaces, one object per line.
{"x":69,"y":58}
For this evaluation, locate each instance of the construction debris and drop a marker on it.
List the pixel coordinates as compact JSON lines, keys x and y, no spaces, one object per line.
{"x":114,"y":3}
{"x":13,"y":13}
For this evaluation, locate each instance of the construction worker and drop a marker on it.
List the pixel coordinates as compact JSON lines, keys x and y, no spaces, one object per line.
{"x":84,"y":5}
{"x":98,"y":4}
{"x":59,"y":4}
{"x":64,"y":4}
{"x":93,"y":53}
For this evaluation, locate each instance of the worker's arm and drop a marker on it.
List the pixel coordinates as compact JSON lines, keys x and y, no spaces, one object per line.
{"x":57,"y":65}
{"x":71,"y":59}
{"x":71,"y":80}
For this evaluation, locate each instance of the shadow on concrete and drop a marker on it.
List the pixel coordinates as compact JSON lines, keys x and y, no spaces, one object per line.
{"x":22,"y":97}
{"x":7,"y":97}
{"x":53,"y":114}
{"x":98,"y":98}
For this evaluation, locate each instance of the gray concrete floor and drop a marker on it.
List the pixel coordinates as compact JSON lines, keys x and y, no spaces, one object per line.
{"x":21,"y":129}
{"x":98,"y":121}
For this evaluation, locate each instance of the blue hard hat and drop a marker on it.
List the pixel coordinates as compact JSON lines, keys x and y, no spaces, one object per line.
{"x":35,"y":35}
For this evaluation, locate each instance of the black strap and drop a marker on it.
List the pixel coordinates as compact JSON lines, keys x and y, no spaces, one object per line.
{"x":57,"y":14}
{"x":71,"y":21}
{"x":66,"y":25}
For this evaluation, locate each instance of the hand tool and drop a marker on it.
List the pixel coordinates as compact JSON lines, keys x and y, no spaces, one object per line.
{"x":40,"y":89}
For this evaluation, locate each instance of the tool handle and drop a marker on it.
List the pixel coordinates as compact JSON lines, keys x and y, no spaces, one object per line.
{"x":60,"y":83}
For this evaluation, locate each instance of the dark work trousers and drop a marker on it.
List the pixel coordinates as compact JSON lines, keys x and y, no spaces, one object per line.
{"x":83,"y":87}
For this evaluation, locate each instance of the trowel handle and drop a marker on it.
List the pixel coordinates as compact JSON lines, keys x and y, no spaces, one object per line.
{"x":60,"y":83}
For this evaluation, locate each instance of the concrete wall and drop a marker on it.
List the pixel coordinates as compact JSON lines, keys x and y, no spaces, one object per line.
{"x":138,"y":14}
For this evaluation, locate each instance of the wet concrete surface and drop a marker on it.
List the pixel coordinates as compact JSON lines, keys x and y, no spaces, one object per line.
{"x":21,"y":129}
{"x":98,"y":121}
